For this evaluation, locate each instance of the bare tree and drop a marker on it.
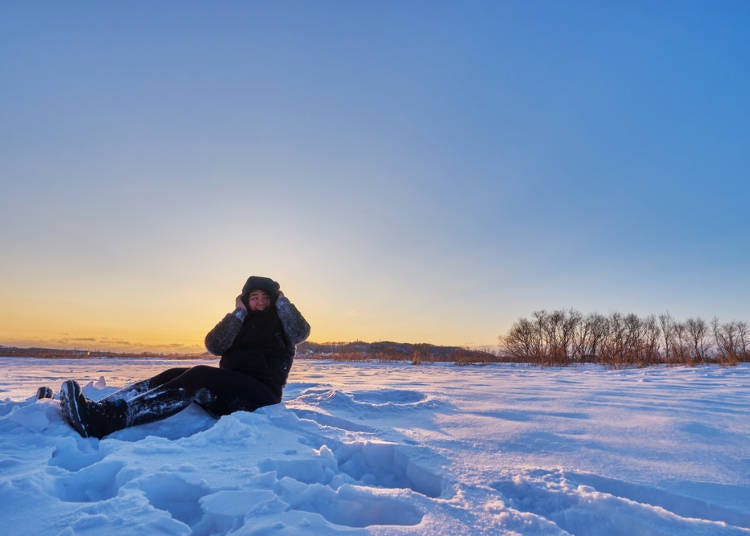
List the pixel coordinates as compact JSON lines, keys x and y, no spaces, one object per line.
{"x":599,"y":330}
{"x":588,"y":335}
{"x":726,"y":337}
{"x":521,"y":340}
{"x":567,"y":331}
{"x":651,"y":334}
{"x":666,"y":324}
{"x":540,"y":321}
{"x":742,"y":340}
{"x":697,"y":330}
{"x":613,"y":347}
{"x":559,"y":327}
{"x":582,"y":340}
{"x":681,"y":342}
{"x":552,"y":329}
{"x":632,"y":348}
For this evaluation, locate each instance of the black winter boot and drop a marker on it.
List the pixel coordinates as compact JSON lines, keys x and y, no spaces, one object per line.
{"x":44,"y":392}
{"x":89,"y":418}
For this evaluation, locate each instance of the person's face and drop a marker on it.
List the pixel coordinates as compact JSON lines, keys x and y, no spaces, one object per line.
{"x":258,"y":300}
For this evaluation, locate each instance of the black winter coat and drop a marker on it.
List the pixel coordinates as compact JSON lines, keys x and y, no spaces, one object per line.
{"x":263,"y":344}
{"x":261,"y":349}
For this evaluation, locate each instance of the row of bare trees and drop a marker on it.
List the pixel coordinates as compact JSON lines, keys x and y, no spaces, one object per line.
{"x":562,"y":337}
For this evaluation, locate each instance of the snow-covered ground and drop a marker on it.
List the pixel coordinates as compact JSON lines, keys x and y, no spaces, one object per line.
{"x":390,"y":449}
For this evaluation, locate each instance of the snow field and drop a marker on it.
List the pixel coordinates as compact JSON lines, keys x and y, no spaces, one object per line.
{"x":391,"y":449}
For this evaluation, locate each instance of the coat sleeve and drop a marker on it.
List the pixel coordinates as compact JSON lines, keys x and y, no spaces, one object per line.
{"x":222,"y":336}
{"x":295,"y":326}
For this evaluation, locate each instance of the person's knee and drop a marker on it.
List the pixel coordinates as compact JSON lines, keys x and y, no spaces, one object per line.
{"x":201,"y":369}
{"x":198,"y":376}
{"x":167,"y":375}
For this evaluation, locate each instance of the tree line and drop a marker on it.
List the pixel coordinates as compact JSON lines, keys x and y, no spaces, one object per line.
{"x":565,"y":337}
{"x":394,"y":351}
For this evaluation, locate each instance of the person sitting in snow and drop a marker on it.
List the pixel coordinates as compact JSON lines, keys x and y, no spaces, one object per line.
{"x":256,"y":343}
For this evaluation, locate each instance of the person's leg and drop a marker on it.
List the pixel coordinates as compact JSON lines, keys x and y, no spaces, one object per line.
{"x":156,"y":404}
{"x":218,"y":390}
{"x":97,"y":419}
{"x":138,"y":403}
{"x":138,"y":388}
{"x":232,"y":391}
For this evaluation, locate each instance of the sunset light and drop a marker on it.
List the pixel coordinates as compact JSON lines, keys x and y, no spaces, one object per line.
{"x":421,"y":175}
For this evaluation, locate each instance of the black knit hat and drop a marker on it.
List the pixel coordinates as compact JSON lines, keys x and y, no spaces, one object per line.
{"x":266,"y":284}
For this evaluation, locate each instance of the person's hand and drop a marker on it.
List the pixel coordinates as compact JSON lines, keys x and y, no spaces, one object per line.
{"x":239,"y":304}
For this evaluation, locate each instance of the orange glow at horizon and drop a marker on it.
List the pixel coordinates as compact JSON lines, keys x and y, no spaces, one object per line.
{"x":177,"y":335}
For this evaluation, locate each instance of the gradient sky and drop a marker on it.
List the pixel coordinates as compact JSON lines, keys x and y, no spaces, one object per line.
{"x":410,"y":171}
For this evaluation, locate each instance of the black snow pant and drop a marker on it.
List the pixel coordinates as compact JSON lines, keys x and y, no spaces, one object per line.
{"x":219,"y":391}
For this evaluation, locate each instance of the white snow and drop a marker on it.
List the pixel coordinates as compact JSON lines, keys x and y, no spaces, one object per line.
{"x":373,"y":448}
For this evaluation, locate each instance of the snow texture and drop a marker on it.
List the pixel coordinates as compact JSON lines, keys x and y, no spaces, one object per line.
{"x":390,"y":449}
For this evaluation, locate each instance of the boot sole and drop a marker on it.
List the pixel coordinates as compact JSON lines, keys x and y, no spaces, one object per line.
{"x":69,"y":393}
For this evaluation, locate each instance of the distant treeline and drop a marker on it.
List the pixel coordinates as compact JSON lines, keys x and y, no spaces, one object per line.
{"x":394,"y":351}
{"x":339,"y":351}
{"x":564,"y":337}
{"x":66,"y":353}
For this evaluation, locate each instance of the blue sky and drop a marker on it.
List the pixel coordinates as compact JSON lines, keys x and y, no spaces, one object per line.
{"x":415,"y":171}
